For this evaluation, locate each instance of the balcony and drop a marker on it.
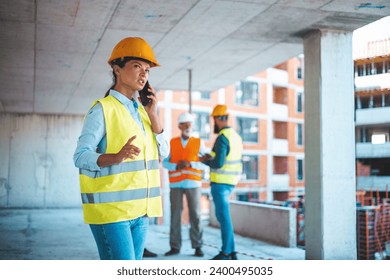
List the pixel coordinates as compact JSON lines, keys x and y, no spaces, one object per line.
{"x":279,"y":112}
{"x":370,"y":82}
{"x":368,"y":150}
{"x":278,"y":77}
{"x":280,"y":147}
{"x":372,"y":116}
{"x":279,"y":182}
{"x":373,"y":182}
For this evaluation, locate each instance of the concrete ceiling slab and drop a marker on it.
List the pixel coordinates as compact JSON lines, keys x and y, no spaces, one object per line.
{"x":53,"y":53}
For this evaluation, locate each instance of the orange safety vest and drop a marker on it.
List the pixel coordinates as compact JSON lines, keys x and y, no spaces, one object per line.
{"x":189,"y":153}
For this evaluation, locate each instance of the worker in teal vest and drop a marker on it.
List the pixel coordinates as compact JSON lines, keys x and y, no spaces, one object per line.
{"x":118,"y":156}
{"x":225,"y":170}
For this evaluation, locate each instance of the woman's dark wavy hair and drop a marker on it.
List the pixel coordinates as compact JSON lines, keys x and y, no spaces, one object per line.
{"x":121,"y":62}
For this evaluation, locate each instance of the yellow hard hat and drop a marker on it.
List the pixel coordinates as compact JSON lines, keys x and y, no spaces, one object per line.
{"x":219,"y":110}
{"x":133,"y":47}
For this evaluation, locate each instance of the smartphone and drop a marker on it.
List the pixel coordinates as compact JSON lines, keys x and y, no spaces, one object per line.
{"x":143,"y":93}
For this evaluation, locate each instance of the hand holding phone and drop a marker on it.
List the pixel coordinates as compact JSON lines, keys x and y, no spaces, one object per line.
{"x":143,"y":93}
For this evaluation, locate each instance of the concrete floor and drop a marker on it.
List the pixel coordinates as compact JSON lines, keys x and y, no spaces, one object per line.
{"x":60,"y":234}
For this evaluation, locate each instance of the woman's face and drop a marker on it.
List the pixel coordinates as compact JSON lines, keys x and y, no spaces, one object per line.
{"x":134,"y":74}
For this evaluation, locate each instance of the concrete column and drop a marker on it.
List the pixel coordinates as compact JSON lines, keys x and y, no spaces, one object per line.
{"x":330,"y":201}
{"x":270,"y":137}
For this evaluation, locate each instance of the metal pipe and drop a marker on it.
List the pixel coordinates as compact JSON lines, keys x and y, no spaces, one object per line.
{"x":189,"y":90}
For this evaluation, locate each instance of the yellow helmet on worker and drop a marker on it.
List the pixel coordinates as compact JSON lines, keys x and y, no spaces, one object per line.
{"x":220,"y":110}
{"x":133,"y":47}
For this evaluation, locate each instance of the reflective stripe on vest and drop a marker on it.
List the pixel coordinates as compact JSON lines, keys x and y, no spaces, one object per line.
{"x":130,"y":189}
{"x":125,"y":167}
{"x":183,"y":172}
{"x":230,"y":172}
{"x":189,"y":153}
{"x":105,"y":197}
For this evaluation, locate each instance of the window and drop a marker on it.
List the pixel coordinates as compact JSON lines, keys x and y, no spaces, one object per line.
{"x":248,"y":128}
{"x":362,"y":135}
{"x":299,"y":73}
{"x":299,"y":101}
{"x":379,"y":67}
{"x":205,"y":95}
{"x":280,"y":165}
{"x":359,"y":70}
{"x":250,"y":167}
{"x":280,"y":130}
{"x":201,"y":95}
{"x":299,"y":134}
{"x":280,"y":95}
{"x":368,"y":69}
{"x":247,"y":93}
{"x":247,"y":196}
{"x":299,"y":169}
{"x":201,"y":127}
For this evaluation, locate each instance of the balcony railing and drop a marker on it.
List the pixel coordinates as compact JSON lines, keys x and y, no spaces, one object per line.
{"x":279,"y":182}
{"x":374,"y":183}
{"x":279,"y":112}
{"x":379,"y":115}
{"x":369,"y":150}
{"x":280,"y":147}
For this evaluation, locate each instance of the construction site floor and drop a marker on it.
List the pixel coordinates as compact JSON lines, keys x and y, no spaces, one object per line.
{"x":60,"y":234}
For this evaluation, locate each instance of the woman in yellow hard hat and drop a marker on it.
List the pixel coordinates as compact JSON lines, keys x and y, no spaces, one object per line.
{"x":118,"y":155}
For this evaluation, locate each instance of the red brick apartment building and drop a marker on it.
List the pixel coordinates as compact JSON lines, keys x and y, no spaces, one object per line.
{"x":267,"y":111}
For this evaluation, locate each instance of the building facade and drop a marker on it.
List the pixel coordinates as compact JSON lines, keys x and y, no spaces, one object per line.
{"x":372,"y":102}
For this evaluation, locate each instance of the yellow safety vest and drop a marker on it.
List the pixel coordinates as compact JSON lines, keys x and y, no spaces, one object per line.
{"x":130,"y":189}
{"x":230,"y":172}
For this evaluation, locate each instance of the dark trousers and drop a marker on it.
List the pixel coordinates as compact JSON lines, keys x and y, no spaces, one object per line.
{"x":193,"y":200}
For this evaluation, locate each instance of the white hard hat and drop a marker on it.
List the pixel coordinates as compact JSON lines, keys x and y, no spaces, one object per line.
{"x":185,"y":117}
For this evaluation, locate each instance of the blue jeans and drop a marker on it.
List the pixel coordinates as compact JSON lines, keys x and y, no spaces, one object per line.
{"x":221,"y":196}
{"x":122,"y":240}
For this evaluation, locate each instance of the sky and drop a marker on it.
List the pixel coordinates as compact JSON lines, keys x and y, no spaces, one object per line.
{"x":378,"y":30}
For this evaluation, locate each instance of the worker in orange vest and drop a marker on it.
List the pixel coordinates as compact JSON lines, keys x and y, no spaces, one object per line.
{"x":185,"y":175}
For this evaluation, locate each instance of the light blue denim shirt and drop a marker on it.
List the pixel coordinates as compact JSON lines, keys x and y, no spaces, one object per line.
{"x":93,"y":140}
{"x":186,"y":184}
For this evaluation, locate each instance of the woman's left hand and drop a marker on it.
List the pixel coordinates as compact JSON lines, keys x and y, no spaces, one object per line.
{"x":151,"y":109}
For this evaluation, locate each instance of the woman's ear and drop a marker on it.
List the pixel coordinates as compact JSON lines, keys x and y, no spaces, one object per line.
{"x":116,"y":69}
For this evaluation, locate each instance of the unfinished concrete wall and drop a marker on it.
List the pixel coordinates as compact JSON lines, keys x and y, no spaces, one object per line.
{"x":268,"y":223}
{"x":36,"y":165}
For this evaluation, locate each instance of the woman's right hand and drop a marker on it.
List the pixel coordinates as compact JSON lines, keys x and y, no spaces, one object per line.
{"x":129,"y":150}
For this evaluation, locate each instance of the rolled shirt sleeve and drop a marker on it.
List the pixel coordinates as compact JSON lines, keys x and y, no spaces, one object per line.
{"x":169,"y":165}
{"x":163,"y":144}
{"x":93,"y":132}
